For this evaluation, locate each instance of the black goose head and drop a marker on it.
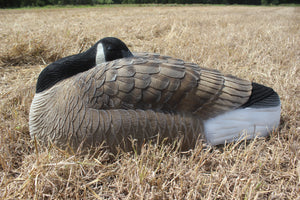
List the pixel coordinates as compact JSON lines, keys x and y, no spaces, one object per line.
{"x":111,"y":48}
{"x":105,"y":50}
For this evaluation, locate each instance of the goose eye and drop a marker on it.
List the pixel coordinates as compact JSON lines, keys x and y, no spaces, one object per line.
{"x":111,"y":48}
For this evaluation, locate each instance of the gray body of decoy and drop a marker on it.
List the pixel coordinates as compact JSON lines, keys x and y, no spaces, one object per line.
{"x":114,"y":99}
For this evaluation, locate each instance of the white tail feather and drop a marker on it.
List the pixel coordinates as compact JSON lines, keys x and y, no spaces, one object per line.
{"x":241,"y":123}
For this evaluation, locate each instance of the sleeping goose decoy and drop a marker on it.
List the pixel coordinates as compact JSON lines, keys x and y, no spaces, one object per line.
{"x":109,"y":95}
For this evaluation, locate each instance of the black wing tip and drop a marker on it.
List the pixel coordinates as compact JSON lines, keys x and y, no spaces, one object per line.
{"x":262,"y":97}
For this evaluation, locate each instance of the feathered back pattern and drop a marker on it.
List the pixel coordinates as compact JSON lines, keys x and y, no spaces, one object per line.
{"x":138,"y":98}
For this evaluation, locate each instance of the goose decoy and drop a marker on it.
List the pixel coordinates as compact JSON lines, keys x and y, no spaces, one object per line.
{"x":107,"y":94}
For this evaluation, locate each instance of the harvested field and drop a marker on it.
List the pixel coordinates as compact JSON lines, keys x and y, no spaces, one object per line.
{"x":255,"y":43}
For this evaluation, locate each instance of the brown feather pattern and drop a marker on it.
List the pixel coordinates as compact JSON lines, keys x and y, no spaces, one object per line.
{"x":140,"y":98}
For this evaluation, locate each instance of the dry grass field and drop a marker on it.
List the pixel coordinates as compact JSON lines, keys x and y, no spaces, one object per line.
{"x":255,"y":43}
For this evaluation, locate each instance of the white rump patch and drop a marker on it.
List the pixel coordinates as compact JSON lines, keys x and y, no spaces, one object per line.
{"x":241,"y":123}
{"x":100,"y":57}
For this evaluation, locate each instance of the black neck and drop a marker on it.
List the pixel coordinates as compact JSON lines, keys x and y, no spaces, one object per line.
{"x":65,"y":68}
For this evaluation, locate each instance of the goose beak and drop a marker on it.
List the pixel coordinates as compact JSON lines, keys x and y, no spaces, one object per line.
{"x":126,"y":54}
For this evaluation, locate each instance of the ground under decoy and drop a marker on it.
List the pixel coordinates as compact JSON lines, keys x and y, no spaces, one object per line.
{"x":108,"y":94}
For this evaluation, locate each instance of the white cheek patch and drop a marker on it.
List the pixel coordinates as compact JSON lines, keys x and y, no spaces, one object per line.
{"x":100,"y":57}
